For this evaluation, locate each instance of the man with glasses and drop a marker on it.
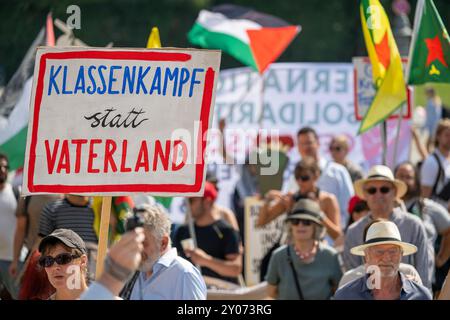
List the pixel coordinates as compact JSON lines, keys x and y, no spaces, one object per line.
{"x":8,"y":205}
{"x":383,"y":250}
{"x":381,"y":191}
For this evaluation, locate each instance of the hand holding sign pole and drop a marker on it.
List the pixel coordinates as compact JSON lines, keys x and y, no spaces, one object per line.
{"x":112,"y":122}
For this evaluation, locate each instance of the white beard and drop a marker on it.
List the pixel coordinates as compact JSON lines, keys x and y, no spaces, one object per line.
{"x":147,"y":264}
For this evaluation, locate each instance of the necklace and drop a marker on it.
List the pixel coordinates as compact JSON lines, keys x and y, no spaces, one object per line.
{"x":306,"y":255}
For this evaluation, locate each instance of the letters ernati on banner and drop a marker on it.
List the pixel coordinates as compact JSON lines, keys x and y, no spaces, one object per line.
{"x":113,"y":121}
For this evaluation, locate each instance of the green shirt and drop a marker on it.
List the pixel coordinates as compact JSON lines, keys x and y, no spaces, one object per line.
{"x":316,"y":278}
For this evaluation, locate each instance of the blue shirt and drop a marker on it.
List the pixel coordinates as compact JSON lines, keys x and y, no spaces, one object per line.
{"x":358,"y":290}
{"x":97,"y":291}
{"x":173,"y":278}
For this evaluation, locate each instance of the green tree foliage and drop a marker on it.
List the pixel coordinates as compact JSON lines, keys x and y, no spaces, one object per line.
{"x":331,"y":29}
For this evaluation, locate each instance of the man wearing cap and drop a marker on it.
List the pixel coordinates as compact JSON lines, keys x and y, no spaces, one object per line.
{"x":381,"y":191}
{"x":217,"y":251}
{"x":383,"y":250}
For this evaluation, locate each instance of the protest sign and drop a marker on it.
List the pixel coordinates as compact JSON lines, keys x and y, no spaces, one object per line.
{"x":364,"y":91}
{"x":114,"y":121}
{"x":258,"y":240}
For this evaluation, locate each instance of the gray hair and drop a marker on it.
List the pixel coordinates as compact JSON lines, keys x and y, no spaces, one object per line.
{"x":156,"y":221}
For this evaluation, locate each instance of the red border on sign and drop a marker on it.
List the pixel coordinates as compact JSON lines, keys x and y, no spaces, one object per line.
{"x":359,"y":117}
{"x":122,"y":55}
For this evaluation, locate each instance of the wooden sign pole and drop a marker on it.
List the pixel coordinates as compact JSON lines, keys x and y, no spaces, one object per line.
{"x":103,"y":235}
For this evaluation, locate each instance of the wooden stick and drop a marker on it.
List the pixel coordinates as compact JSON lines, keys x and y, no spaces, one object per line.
{"x":103,"y":235}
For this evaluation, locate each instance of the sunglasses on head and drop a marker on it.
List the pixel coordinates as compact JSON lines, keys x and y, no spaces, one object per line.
{"x":373,"y":190}
{"x":61,"y":259}
{"x":304,"y":222}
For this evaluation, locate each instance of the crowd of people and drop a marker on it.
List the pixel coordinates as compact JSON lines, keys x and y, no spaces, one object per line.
{"x":348,"y":235}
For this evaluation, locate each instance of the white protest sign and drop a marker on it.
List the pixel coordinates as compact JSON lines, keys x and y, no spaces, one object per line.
{"x":258,"y":240}
{"x":114,"y":121}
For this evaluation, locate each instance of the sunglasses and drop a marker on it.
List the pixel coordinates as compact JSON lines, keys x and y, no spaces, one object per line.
{"x":304,"y":222}
{"x":335,"y":149}
{"x":304,"y":178}
{"x":61,"y":259}
{"x":373,"y":190}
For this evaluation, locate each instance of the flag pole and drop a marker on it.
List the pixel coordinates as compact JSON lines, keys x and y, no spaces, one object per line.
{"x":397,"y":138}
{"x":384,"y":141}
{"x":191,"y":226}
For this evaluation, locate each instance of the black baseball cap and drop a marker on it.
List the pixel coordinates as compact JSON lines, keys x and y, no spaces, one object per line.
{"x":67,"y":237}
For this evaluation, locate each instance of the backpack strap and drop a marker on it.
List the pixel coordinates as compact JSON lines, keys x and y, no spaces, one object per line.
{"x":16,"y":191}
{"x":440,"y":173}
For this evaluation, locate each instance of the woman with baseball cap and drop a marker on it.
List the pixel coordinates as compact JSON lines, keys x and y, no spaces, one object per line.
{"x":64,"y":258}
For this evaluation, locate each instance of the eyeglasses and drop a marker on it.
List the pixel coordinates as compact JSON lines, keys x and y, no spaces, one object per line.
{"x":373,"y":190}
{"x":335,"y":148}
{"x":304,"y":222}
{"x":61,"y":259}
{"x":5,"y":167}
{"x":381,"y":252}
{"x":304,"y":178}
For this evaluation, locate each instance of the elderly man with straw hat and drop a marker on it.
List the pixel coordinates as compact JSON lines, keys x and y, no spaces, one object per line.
{"x":383,"y":249}
{"x":381,"y":192}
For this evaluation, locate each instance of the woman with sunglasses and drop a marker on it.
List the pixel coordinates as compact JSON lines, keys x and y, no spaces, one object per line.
{"x":64,"y":258}
{"x":307,"y":173}
{"x":305,"y":268}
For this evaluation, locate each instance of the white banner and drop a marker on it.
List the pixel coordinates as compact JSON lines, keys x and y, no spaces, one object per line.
{"x":319,"y":95}
{"x":258,"y":240}
{"x":114,"y":121}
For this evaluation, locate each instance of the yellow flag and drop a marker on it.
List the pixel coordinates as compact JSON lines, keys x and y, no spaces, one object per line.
{"x":386,"y":64}
{"x":153,"y":40}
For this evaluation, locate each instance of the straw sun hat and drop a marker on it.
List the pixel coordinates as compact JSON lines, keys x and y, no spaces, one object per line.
{"x":383,"y":232}
{"x":380,"y":173}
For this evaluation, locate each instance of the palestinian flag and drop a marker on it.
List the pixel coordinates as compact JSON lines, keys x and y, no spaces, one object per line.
{"x":15,"y":101}
{"x":254,"y":38}
{"x":429,"y":58}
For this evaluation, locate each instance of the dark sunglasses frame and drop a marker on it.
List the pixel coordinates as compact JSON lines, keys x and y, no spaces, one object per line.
{"x":304,"y":178}
{"x":338,"y":149}
{"x":304,"y":222}
{"x":61,"y":259}
{"x":383,"y":190}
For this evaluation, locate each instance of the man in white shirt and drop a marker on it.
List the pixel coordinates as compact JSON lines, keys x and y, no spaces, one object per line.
{"x":435,"y":171}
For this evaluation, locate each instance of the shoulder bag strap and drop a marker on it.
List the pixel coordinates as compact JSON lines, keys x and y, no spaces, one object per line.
{"x":297,"y":283}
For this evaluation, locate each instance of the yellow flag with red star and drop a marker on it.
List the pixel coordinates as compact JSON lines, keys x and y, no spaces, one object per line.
{"x":386,"y":64}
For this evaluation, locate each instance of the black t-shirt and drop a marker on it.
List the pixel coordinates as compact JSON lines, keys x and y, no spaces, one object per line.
{"x":218,"y":240}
